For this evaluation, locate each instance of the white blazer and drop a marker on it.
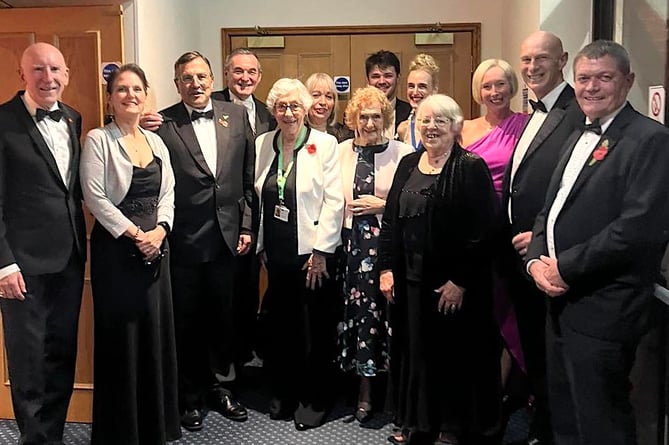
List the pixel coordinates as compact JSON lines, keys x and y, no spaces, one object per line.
{"x":320,"y":199}
{"x":385,"y":164}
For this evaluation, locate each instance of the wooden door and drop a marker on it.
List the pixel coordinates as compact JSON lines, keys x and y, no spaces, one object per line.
{"x":455,"y":62}
{"x":87,"y":36}
{"x":343,"y":50}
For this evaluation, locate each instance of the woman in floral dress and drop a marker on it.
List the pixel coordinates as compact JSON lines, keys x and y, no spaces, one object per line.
{"x":368,"y":163}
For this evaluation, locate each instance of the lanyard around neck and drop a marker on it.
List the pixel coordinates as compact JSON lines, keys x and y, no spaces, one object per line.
{"x":281,"y":176}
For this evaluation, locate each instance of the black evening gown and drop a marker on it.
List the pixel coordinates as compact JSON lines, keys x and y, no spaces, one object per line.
{"x":135,"y":377}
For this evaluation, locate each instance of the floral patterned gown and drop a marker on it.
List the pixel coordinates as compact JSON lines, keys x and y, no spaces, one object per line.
{"x":364,"y":332}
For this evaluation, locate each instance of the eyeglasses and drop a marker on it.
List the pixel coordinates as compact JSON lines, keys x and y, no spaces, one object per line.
{"x":282,"y":108}
{"x":188,"y":79}
{"x":439,"y":122}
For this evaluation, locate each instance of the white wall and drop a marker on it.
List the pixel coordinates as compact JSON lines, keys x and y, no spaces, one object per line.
{"x":162,"y":30}
{"x":644,"y":35}
{"x":167,"y":28}
{"x":158,"y":31}
{"x":571,"y":20}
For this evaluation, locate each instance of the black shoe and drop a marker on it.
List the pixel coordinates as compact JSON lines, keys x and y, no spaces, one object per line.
{"x":192,"y":420}
{"x":303,"y":426}
{"x":228,"y":407}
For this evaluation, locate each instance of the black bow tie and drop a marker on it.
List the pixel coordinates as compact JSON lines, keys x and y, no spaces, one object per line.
{"x":195,"y":115}
{"x":538,"y":105}
{"x":594,"y":126}
{"x":55,"y":115}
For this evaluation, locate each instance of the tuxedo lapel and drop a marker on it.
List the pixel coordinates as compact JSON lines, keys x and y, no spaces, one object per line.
{"x":38,"y":140}
{"x":184,"y":128}
{"x":222,"y":124}
{"x":549,"y":125}
{"x":76,"y":148}
{"x":609,"y":140}
{"x":556,"y":179}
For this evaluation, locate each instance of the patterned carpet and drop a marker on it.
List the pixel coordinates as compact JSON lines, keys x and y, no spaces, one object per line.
{"x":260,"y":430}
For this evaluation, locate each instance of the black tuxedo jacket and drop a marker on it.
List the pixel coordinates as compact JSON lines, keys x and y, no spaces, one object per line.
{"x":264,"y":120}
{"x":611,"y":231}
{"x":534,"y":171}
{"x":210,"y":207}
{"x":41,"y":219}
{"x":402,"y":112}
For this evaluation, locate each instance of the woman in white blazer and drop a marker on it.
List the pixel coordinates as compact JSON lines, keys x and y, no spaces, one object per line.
{"x":301,"y":208}
{"x":368,"y":163}
{"x":128,"y":185}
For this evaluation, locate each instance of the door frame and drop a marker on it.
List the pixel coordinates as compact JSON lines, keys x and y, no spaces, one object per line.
{"x":474,"y":28}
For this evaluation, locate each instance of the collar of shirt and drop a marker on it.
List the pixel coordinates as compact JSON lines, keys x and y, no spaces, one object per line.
{"x":606,"y":121}
{"x":191,"y":109}
{"x":248,"y":102}
{"x":552,"y":97}
{"x":32,"y":106}
{"x":393,"y":103}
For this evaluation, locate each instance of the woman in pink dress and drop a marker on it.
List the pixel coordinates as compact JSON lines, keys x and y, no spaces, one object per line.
{"x":493,"y":137}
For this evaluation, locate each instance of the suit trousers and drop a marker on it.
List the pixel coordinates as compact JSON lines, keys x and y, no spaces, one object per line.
{"x":589,"y":387}
{"x":203,"y":296}
{"x":530,"y":306}
{"x":41,"y":342}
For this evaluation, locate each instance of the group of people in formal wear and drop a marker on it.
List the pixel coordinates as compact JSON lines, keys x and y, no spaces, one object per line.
{"x":436,"y":259}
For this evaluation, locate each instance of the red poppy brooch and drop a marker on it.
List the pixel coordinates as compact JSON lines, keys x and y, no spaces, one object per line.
{"x":600,"y":153}
{"x":311,"y":148}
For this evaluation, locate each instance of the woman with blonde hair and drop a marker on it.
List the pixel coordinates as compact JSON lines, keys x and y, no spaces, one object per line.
{"x":422,"y":81}
{"x":322,"y":115}
{"x":493,"y":137}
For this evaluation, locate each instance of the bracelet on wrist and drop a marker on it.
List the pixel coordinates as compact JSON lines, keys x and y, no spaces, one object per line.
{"x":137,"y":233}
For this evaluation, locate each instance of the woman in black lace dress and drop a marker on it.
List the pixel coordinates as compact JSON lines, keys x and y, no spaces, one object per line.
{"x":128,"y":185}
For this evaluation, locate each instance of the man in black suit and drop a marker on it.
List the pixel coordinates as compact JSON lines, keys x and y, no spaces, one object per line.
{"x":42,"y":244}
{"x":538,"y":150}
{"x":243,"y":73}
{"x":212,"y":153}
{"x":596,"y":249}
{"x":383,"y":72}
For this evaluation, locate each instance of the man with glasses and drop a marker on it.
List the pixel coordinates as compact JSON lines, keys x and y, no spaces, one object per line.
{"x":211,"y":147}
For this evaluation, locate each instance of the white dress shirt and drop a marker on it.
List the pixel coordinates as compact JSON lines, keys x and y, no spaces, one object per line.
{"x":205,"y":132}
{"x":533,"y":125}
{"x":56,"y":135}
{"x":577,"y":160}
{"x":250,"y":106}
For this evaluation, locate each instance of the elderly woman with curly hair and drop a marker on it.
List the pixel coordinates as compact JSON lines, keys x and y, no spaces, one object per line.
{"x":301,"y":209}
{"x":435,"y":263}
{"x":368,"y":164}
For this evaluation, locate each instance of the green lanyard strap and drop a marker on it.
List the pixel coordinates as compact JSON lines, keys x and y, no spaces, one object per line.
{"x":281,"y":176}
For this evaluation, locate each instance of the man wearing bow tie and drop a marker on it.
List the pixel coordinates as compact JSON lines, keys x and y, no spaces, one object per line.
{"x":42,"y":244}
{"x":596,"y":251}
{"x":554,"y":115}
{"x":212,"y":153}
